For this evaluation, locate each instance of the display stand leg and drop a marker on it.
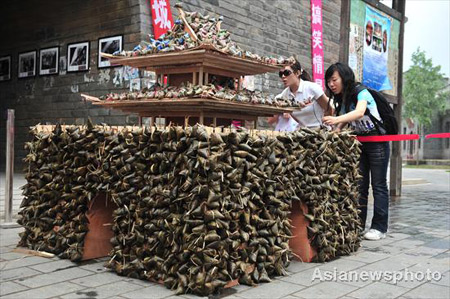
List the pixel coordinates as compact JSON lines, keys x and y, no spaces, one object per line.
{"x":215,"y":121}
{"x":201,"y":118}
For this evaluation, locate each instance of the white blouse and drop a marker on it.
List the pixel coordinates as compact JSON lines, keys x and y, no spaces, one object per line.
{"x":309,"y":116}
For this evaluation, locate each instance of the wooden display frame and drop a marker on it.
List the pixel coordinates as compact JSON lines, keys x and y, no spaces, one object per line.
{"x":191,"y":107}
{"x":204,"y":56}
{"x":201,"y":62}
{"x":195,"y":65}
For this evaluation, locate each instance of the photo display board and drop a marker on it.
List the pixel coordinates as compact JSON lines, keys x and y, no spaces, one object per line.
{"x":374,"y":47}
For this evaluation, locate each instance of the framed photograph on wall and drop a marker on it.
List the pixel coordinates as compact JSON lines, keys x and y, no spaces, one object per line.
{"x":108,"y":45}
{"x":27,"y":64}
{"x":5,"y":68}
{"x":78,"y":57}
{"x":49,"y":61}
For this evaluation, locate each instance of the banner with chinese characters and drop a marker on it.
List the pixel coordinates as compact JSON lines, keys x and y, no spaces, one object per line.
{"x":376,"y":50}
{"x":162,"y":17}
{"x":317,"y":42}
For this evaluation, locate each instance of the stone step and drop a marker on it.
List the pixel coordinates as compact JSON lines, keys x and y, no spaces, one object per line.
{"x":414,"y":181}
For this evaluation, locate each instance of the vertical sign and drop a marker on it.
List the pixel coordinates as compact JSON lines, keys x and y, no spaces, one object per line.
{"x":162,"y":17}
{"x":317,"y":42}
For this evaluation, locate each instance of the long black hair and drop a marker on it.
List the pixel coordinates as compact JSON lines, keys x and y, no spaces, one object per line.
{"x":348,"y":86}
{"x":296,"y":66}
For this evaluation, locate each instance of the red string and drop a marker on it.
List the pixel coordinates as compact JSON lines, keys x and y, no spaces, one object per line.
{"x":438,"y":135}
{"x":384,"y":138}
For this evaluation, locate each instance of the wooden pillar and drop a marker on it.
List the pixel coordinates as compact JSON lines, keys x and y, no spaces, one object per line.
{"x":345,"y":31}
{"x":395,"y":182}
{"x":238,"y":79}
{"x":194,"y":78}
{"x":201,"y":118}
{"x":206,"y":78}
{"x":200,"y":76}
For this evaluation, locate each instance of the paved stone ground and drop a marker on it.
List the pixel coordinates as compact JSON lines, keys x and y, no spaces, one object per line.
{"x":19,"y":181}
{"x":418,"y":241}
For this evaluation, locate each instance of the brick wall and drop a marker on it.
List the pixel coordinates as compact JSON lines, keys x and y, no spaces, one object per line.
{"x":33,"y":25}
{"x":266,"y":27}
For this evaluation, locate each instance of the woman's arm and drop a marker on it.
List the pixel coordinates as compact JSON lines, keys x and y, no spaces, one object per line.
{"x":272,"y":120}
{"x":348,"y":117}
{"x":323,"y":103}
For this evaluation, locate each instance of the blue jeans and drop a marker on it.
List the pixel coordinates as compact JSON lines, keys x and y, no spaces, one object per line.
{"x":373,"y":165}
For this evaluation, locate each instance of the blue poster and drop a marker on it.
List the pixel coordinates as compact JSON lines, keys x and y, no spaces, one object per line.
{"x":376,"y":49}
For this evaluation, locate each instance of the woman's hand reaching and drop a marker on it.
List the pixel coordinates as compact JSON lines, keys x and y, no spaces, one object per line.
{"x":330,"y":120}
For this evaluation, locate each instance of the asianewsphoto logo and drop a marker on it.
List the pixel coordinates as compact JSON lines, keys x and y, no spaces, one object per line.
{"x":388,"y":276}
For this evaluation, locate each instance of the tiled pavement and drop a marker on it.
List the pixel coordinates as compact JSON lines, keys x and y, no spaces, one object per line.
{"x":418,"y":241}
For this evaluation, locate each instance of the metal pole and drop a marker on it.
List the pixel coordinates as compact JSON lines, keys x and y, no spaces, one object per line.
{"x":9,"y":171}
{"x":9,"y":165}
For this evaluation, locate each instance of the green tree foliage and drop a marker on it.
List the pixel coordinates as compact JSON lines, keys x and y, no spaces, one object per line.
{"x":423,"y":89}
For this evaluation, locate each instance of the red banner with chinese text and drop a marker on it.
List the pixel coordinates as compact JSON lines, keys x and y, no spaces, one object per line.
{"x":161,"y":17}
{"x":317,"y":42}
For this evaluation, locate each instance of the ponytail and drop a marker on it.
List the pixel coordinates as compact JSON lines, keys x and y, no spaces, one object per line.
{"x":305,"y":76}
{"x":296,"y":66}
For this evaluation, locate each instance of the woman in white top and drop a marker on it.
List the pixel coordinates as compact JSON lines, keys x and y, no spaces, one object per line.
{"x":308,"y":95}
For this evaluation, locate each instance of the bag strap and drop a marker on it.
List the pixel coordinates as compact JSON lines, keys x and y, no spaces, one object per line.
{"x":377,"y":123}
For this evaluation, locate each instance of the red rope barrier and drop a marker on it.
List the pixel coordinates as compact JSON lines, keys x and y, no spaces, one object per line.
{"x":384,"y":138}
{"x":438,"y":135}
